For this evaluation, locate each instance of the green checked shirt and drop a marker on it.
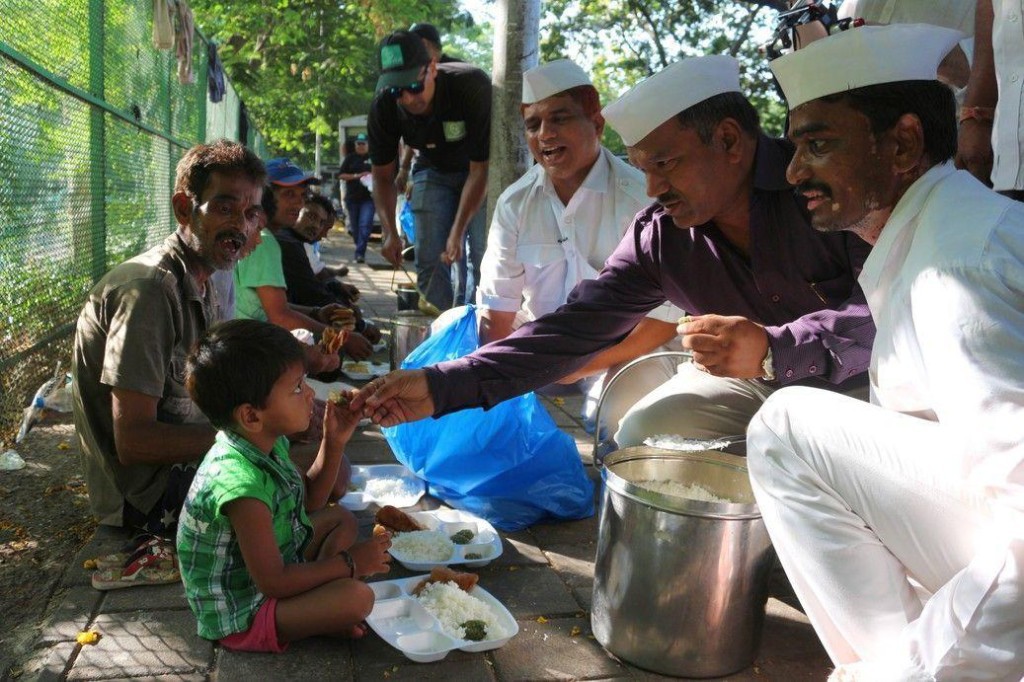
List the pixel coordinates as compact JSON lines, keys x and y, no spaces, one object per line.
{"x":220,"y":590}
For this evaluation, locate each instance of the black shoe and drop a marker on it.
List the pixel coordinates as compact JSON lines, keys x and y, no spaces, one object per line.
{"x":360,"y":259}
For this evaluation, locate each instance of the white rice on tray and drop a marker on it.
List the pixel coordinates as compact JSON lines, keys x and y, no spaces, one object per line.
{"x":692,"y":491}
{"x":451,"y":606}
{"x":423,"y":545}
{"x":391,"y":487}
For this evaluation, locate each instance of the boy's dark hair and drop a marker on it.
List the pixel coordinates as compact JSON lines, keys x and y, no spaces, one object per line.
{"x":238,"y":362}
{"x":704,"y":116}
{"x":931,"y":101}
{"x":323,"y":202}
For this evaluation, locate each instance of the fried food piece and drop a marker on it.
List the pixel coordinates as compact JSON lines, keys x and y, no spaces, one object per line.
{"x":396,"y":520}
{"x":443,"y":574}
{"x":332,"y":340}
{"x":338,"y":398}
{"x":379,"y":530}
{"x":343,"y":318}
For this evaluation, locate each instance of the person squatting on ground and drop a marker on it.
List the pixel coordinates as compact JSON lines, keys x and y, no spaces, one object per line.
{"x":140,"y":434}
{"x":444,"y":112}
{"x":900,"y":523}
{"x":264,"y":559}
{"x":556,"y":226}
{"x":727,"y":240}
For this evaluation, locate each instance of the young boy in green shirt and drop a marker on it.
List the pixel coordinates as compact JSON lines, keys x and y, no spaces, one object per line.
{"x":264,"y":560}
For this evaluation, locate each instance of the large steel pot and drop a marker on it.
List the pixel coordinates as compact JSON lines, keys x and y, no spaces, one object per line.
{"x":680,"y":585}
{"x":409,"y":329}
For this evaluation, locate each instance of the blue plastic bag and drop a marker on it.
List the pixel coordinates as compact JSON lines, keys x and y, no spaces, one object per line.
{"x":408,"y":222}
{"x":510,"y":465}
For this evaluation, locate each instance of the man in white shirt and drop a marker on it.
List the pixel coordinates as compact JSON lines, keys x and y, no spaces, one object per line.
{"x":556,"y":225}
{"x":901,"y":523}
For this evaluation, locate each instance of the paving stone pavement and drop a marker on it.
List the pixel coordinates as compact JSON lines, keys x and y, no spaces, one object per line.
{"x":544,"y":576}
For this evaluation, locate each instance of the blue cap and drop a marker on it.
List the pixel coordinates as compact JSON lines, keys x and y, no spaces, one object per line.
{"x":361,"y":137}
{"x":281,"y":171}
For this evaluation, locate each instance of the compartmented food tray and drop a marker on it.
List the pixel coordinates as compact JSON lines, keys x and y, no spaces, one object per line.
{"x":382,"y":484}
{"x":364,"y":370}
{"x":480,"y":549}
{"x":401,"y":620}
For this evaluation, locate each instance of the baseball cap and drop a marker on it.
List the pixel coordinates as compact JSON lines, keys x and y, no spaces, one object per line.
{"x":281,"y":171}
{"x":672,"y":90}
{"x":427,"y":32}
{"x":863,"y":56}
{"x":361,"y":137}
{"x":402,"y":56}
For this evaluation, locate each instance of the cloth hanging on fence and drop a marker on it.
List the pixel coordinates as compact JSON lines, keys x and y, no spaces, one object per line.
{"x":214,"y":74}
{"x":186,"y":29}
{"x":163,"y":25}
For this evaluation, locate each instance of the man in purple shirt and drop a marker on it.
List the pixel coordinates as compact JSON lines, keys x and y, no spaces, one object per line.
{"x":774,"y":303}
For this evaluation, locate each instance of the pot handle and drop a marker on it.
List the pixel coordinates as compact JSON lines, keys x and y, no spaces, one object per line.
{"x":683,"y":354}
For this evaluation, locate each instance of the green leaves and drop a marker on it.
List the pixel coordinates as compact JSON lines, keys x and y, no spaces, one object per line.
{"x":301,"y":65}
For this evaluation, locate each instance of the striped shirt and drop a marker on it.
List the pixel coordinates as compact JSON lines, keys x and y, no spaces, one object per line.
{"x":219,"y":588}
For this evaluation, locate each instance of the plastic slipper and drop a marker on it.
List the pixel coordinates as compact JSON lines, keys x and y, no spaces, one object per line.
{"x":131,"y":552}
{"x":149,"y":569}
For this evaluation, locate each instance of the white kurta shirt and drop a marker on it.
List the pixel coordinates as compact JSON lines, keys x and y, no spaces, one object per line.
{"x":1007,"y":134}
{"x":945,"y":285}
{"x":538,"y":249}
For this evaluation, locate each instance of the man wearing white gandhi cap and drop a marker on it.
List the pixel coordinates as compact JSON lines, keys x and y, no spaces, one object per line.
{"x":901,"y":523}
{"x":556,"y":225}
{"x":727,"y":240}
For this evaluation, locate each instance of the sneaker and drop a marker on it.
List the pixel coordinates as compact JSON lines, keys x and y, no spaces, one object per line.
{"x":360,"y":259}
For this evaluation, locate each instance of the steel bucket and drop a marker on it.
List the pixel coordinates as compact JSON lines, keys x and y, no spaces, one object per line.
{"x":409,"y":329}
{"x":680,"y":585}
{"x":408,"y":297}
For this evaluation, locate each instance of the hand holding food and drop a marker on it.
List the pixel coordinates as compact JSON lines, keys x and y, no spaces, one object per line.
{"x":343,"y":318}
{"x":396,"y":520}
{"x":332,"y":340}
{"x":725,"y":346}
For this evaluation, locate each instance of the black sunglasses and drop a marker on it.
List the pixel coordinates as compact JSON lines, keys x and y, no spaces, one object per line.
{"x":413,"y":88}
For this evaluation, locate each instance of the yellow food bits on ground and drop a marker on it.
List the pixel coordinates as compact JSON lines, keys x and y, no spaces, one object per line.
{"x":89,"y":564}
{"x":87,"y":637}
{"x":541,"y":619}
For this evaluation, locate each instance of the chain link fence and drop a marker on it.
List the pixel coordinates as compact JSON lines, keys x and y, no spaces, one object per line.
{"x":93,"y":120}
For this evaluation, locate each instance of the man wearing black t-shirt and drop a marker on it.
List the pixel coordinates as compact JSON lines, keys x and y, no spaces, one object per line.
{"x":355,"y":167}
{"x":444,"y":111}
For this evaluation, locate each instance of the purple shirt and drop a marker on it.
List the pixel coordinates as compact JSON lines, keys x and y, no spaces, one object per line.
{"x":799,"y":283}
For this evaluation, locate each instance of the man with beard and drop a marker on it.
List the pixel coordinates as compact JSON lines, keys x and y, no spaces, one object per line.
{"x":901,"y":523}
{"x":141,"y":435}
{"x":775,"y":302}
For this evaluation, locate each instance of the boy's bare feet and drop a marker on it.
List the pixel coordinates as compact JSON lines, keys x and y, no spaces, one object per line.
{"x":371,"y":556}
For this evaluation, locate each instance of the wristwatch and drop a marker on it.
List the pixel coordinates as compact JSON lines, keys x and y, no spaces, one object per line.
{"x":768,"y":366}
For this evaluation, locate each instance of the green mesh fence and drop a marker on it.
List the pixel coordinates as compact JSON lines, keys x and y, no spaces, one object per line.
{"x":93,"y":120}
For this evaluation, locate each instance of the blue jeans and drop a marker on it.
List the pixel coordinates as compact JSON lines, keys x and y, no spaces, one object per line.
{"x":435,"y":200}
{"x":360,"y":219}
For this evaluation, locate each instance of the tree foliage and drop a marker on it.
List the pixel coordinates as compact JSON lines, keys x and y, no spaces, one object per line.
{"x":302,"y":65}
{"x":624,"y":41}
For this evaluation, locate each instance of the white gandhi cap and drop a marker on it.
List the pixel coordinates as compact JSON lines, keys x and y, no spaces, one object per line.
{"x":863,"y":56}
{"x":672,"y":90}
{"x":552,"y":78}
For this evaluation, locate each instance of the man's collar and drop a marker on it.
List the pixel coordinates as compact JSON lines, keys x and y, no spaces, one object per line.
{"x":190,"y":261}
{"x":770,"y":161}
{"x":595,"y":181}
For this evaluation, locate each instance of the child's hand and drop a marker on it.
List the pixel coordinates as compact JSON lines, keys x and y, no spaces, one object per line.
{"x":371,"y":556}
{"x":339,"y":422}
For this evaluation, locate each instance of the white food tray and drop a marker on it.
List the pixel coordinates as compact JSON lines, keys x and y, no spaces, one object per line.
{"x":404,"y":623}
{"x":364,"y":370}
{"x":357,"y":500}
{"x":486,"y":541}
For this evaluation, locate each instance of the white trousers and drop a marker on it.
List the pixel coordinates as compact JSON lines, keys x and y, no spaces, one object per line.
{"x":859,"y":500}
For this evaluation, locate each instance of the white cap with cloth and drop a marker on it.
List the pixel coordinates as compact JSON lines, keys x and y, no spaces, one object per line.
{"x":672,"y":90}
{"x":863,"y":56}
{"x":552,"y":78}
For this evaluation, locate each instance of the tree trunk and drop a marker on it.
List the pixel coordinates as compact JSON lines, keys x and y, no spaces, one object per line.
{"x":516,"y":49}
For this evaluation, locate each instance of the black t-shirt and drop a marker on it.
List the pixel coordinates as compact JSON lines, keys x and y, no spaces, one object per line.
{"x":457,"y":131}
{"x":355,"y":190}
{"x":302,"y":285}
